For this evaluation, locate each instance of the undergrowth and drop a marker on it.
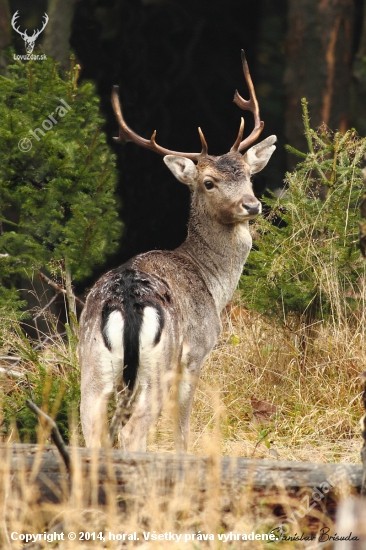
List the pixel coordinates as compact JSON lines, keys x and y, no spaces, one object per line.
{"x":261,"y":394}
{"x":309,"y":396}
{"x":45,"y":372}
{"x":275,"y":399}
{"x":282,"y":387}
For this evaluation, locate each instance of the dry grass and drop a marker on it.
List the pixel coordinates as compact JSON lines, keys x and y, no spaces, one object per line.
{"x":315,"y":392}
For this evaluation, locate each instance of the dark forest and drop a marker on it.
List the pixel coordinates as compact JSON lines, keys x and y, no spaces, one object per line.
{"x":178,"y":64}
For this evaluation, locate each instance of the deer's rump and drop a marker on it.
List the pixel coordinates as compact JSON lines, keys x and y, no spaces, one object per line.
{"x":129,"y":304}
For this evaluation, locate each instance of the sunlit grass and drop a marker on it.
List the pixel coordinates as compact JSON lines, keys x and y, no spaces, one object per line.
{"x":311,"y":377}
{"x":316,"y":390}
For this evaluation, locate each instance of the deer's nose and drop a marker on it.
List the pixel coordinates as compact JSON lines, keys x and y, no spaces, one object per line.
{"x":252,"y":208}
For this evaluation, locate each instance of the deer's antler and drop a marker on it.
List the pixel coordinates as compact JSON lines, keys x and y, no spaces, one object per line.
{"x":37,"y":33}
{"x":13,"y":21}
{"x":247,"y":105}
{"x":126,"y":134}
{"x":24,"y":34}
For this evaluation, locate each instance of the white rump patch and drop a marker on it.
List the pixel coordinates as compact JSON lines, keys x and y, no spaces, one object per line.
{"x":111,"y":361}
{"x":149,"y":352}
{"x":114,"y":332}
{"x":149,"y":328}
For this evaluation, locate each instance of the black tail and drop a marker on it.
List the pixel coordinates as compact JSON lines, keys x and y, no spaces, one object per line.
{"x":132,"y":310}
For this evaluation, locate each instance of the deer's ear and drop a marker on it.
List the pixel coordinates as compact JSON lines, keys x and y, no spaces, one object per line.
{"x":183,"y":169}
{"x":258,"y":155}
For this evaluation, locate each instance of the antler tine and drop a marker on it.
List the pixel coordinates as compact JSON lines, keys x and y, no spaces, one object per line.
{"x":46,"y":18}
{"x":126,"y":134}
{"x":247,"y":105}
{"x":13,"y":23}
{"x":14,"y":19}
{"x":238,"y":140}
{"x":204,"y":149}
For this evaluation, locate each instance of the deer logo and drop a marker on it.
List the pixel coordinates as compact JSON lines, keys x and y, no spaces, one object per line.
{"x":29,"y":41}
{"x":149,"y":325}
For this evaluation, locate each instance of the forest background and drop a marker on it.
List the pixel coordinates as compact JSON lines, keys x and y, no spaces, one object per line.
{"x":178,"y":63}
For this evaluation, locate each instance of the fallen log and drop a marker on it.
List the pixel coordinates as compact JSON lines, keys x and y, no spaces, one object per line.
{"x":136,"y":476}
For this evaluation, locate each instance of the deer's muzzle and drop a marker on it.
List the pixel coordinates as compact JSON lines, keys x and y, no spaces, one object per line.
{"x":252,"y":208}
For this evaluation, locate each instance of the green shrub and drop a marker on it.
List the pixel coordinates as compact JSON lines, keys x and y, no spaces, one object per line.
{"x":48,"y":375}
{"x":58,"y":212}
{"x":57,"y":175}
{"x":306,"y":261}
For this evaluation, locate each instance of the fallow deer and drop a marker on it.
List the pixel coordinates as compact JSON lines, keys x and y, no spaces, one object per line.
{"x":155,"y":319}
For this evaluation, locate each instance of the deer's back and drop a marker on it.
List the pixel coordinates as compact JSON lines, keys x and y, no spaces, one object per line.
{"x":165,"y":280}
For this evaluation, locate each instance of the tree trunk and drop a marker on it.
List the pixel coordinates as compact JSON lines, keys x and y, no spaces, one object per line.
{"x":56,"y":43}
{"x":359,"y":84}
{"x":5,"y":32}
{"x":138,"y":476}
{"x":319,"y":47}
{"x":71,"y":301}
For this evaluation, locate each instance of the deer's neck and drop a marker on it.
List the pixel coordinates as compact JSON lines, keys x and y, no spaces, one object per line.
{"x":219,"y":251}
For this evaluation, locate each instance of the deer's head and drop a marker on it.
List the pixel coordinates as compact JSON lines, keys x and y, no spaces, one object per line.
{"x":221,"y":185}
{"x":29,"y":41}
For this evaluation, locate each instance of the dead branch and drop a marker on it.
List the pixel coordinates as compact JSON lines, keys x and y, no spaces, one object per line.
{"x":55,"y":433}
{"x":58,"y":287}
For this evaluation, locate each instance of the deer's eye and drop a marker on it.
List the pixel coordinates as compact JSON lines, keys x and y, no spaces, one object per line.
{"x":208,"y":184}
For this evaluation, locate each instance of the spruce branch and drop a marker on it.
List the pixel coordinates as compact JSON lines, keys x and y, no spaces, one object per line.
{"x":306,"y":122}
{"x":309,"y":133}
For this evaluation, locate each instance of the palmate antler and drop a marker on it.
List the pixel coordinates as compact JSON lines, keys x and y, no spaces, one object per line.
{"x":126,"y":134}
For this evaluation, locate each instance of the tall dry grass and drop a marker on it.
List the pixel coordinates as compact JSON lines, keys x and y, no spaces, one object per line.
{"x":315,"y":388}
{"x":267,"y":391}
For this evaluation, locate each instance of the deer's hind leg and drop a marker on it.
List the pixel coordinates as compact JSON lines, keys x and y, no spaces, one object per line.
{"x":156,"y":361}
{"x":133,"y":436}
{"x":101,"y":371}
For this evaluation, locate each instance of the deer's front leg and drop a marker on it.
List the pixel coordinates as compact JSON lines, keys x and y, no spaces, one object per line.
{"x":186,"y":390}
